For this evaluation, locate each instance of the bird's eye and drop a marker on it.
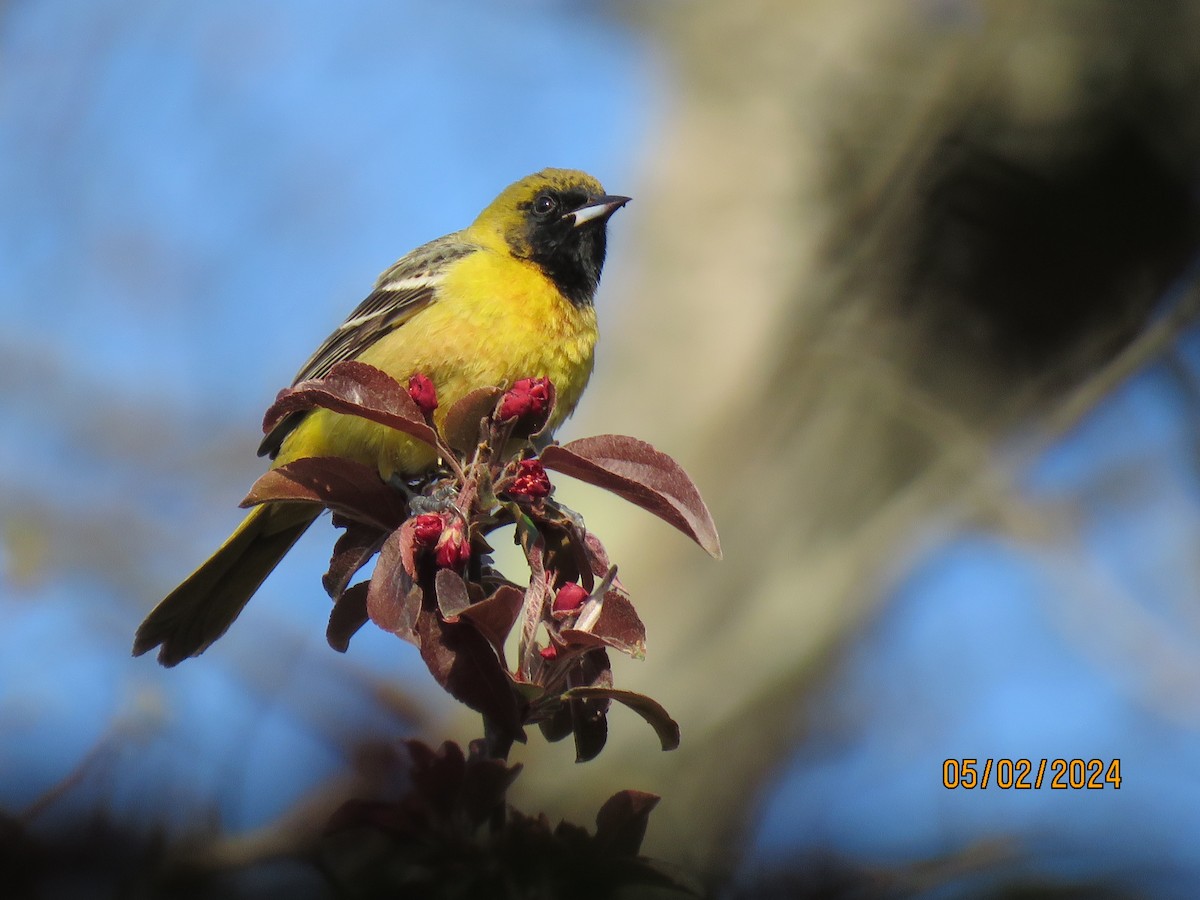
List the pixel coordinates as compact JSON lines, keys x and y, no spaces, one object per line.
{"x":544,"y":204}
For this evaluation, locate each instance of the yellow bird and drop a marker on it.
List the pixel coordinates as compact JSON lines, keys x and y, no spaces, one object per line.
{"x":508,"y":297}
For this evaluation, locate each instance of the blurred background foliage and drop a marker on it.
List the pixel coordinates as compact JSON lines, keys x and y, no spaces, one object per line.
{"x":908,"y":288}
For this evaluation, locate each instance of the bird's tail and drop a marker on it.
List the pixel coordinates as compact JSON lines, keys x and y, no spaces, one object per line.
{"x":201,"y":609}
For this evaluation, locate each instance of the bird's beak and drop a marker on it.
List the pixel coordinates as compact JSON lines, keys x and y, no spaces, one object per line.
{"x":597,"y":209}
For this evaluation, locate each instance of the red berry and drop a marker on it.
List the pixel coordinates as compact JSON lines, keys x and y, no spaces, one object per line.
{"x":427,"y":528}
{"x":569,"y":597}
{"x":513,"y":406}
{"x":549,"y":653}
{"x":531,"y":480}
{"x":453,"y":549}
{"x":527,"y":401}
{"x":424,"y":394}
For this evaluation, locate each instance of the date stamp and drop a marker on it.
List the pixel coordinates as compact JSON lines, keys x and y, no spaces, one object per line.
{"x":1031,"y":774}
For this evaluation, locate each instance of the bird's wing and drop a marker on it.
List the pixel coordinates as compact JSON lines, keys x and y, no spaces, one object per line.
{"x":399,"y":294}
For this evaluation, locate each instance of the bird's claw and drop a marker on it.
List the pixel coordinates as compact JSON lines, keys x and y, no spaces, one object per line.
{"x":440,"y":499}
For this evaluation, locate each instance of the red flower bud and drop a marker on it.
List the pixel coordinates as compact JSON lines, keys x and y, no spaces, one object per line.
{"x":453,"y":548}
{"x":569,"y":597}
{"x":531,"y":481}
{"x":424,"y":394}
{"x":527,"y":401}
{"x":427,"y":528}
{"x":549,"y":653}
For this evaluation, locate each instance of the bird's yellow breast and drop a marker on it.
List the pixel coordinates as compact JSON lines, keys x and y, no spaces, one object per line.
{"x":494,"y":319}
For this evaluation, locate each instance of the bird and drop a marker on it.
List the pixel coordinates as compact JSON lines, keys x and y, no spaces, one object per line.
{"x":509,"y":297}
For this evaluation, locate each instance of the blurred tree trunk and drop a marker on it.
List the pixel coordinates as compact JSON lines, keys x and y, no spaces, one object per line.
{"x":870,"y":239}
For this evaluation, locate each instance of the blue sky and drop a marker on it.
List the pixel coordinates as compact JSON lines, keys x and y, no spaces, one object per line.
{"x":194,"y":196}
{"x":993,"y":647}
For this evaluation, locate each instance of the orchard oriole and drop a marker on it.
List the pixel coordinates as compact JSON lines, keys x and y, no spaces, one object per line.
{"x":508,"y":297}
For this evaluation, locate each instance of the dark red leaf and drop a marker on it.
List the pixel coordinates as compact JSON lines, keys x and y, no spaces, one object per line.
{"x":463,"y":662}
{"x":597,"y":556}
{"x":574,"y":638}
{"x":592,"y":670}
{"x":589,"y":715}
{"x":537,"y":595}
{"x":357,"y":544}
{"x":589,"y":724}
{"x":622,"y":820}
{"x":344,"y":486}
{"x":666,"y":727}
{"x":348,"y":615}
{"x":388,"y":817}
{"x":617,"y":626}
{"x":574,"y":553}
{"x":408,"y":545}
{"x":559,"y":725}
{"x":357,"y":389}
{"x":485,"y":784}
{"x":642,"y":475}
{"x":445,"y":791}
{"x":572,"y":836}
{"x":393,"y":599}
{"x":461,"y":427}
{"x":437,"y":776}
{"x":451,"y":592}
{"x":494,"y":616}
{"x":421,"y":756}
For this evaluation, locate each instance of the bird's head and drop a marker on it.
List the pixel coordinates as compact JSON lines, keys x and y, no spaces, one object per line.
{"x":556,"y":219}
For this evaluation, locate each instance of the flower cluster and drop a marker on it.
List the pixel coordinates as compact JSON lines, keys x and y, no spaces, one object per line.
{"x":434,"y":583}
